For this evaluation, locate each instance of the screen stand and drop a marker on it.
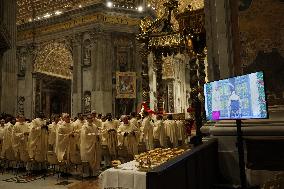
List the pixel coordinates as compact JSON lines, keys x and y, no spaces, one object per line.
{"x":240,"y":146}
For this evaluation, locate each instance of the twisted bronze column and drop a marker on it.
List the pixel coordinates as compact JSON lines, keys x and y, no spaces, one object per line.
{"x":160,"y":89}
{"x":145,"y":76}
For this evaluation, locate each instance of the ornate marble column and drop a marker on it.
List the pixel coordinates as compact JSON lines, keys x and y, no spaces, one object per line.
{"x":201,"y":69}
{"x":201,"y":76}
{"x":102,"y":71}
{"x":76,"y":88}
{"x":9,"y":62}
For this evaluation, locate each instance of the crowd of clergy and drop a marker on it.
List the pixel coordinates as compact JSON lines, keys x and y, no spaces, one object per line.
{"x":87,"y":136}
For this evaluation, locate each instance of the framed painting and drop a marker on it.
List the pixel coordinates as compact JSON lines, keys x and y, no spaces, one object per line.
{"x":125,"y":85}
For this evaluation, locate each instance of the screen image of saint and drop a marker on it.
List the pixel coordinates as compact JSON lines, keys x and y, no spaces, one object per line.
{"x":126,"y":85}
{"x":234,"y":105}
{"x":216,"y":102}
{"x":240,"y":97}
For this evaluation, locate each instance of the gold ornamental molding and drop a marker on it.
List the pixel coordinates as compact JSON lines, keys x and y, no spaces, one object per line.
{"x":77,"y":22}
{"x":54,"y":59}
{"x":158,"y":5}
{"x":26,"y":8}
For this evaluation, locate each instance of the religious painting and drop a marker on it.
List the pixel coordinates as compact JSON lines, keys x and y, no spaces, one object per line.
{"x":125,"y":85}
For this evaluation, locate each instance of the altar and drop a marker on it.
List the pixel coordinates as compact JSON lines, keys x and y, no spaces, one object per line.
{"x":125,"y":176}
{"x":196,"y":168}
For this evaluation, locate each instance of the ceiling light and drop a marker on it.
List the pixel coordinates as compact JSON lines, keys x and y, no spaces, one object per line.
{"x":80,"y":6}
{"x":140,"y":8}
{"x":47,"y":15}
{"x":109,"y":4}
{"x":149,"y":5}
{"x":58,"y":12}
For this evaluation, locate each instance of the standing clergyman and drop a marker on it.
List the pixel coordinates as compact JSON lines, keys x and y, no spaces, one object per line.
{"x":90,"y":141}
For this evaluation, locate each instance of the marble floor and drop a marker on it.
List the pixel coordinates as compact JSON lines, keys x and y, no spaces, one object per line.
{"x":11,"y":181}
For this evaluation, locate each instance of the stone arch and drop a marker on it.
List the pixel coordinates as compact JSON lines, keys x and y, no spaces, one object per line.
{"x":54,"y":59}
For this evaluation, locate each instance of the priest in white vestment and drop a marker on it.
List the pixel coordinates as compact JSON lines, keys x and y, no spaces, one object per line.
{"x":96,"y":121}
{"x":133,"y":120}
{"x":139,"y":120}
{"x":52,"y":130}
{"x":181,"y":134}
{"x":20,"y":139}
{"x":147,"y":131}
{"x":128,"y":136}
{"x":77,"y":126}
{"x":90,"y":143}
{"x":38,"y":139}
{"x":64,"y":136}
{"x":2,"y":125}
{"x":159,"y":131}
{"x":109,"y":132}
{"x":171,"y":131}
{"x":7,"y":148}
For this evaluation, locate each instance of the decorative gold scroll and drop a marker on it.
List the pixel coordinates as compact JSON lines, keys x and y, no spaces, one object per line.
{"x":54,"y":59}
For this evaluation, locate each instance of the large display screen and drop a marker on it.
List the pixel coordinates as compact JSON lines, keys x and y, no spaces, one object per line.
{"x":241,"y":97}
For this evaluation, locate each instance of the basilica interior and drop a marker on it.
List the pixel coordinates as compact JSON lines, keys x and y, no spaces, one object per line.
{"x":113,"y":94}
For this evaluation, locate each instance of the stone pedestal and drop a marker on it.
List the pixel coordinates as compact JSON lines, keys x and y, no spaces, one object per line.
{"x":225,"y":132}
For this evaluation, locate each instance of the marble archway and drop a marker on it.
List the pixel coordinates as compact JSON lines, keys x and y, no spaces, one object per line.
{"x":52,"y":79}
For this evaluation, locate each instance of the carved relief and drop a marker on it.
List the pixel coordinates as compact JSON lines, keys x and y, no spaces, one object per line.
{"x":22,"y":61}
{"x":122,"y":61}
{"x":123,"y":47}
{"x":87,"y":52}
{"x":21,"y":103}
{"x":122,"y":41}
{"x":87,"y":102}
{"x":168,"y":68}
